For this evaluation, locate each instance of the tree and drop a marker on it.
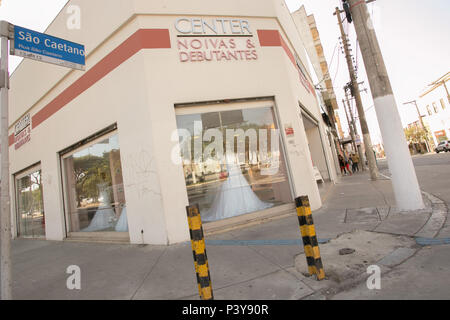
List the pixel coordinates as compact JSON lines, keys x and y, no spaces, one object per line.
{"x":416,"y":135}
{"x":90,"y":171}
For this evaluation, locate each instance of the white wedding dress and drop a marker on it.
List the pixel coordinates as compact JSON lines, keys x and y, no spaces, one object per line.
{"x":234,"y":197}
{"x":105,"y":216}
{"x":122,"y":223}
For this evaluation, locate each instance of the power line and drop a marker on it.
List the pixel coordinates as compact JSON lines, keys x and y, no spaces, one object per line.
{"x":337,"y":69}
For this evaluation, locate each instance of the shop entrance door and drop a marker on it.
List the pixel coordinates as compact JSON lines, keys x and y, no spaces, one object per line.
{"x":316,"y":147}
{"x":29,"y":204}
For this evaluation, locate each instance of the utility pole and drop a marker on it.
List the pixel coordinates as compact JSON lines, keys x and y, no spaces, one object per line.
{"x":404,"y":180}
{"x":442,"y":82}
{"x":350,"y":126}
{"x":355,"y":92}
{"x":5,"y":213}
{"x":355,"y":130}
{"x":418,"y":112}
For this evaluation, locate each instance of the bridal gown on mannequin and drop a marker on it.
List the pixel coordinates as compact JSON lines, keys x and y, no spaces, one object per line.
{"x":122,"y":223}
{"x":234,"y":197}
{"x":105,"y":216}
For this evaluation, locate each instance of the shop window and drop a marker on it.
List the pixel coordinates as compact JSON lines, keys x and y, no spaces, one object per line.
{"x":94,"y":193}
{"x":240,"y":181}
{"x":29,"y":204}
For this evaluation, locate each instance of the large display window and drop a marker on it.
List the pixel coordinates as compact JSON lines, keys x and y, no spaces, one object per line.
{"x":94,"y":192}
{"x":232,"y":158}
{"x":29,"y":204}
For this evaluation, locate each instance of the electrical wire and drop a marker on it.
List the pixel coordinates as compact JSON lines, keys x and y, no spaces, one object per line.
{"x":329,"y":67}
{"x":337,"y":69}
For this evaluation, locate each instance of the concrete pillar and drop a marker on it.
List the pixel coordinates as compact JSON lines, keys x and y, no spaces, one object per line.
{"x":404,"y":179}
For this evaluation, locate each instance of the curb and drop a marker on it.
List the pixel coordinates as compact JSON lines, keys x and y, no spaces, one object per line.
{"x":437,"y":219}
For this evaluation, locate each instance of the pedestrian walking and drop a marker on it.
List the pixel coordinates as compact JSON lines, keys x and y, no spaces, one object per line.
{"x":342,"y":164}
{"x":350,"y":164}
{"x":355,"y":160}
{"x":347,"y":165}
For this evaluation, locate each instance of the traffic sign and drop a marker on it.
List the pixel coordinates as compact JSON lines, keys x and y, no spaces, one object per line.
{"x":42,"y":47}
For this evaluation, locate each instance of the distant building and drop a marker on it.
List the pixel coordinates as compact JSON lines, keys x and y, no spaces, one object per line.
{"x":435,"y":106}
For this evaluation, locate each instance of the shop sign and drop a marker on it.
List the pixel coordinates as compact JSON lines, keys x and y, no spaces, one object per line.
{"x":42,"y":47}
{"x":22,"y":131}
{"x":289,"y":131}
{"x":206,"y":40}
{"x":441,"y":135}
{"x":290,"y":134}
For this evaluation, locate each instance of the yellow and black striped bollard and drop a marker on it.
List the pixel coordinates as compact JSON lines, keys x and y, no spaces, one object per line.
{"x":309,"y":237}
{"x":199,"y":252}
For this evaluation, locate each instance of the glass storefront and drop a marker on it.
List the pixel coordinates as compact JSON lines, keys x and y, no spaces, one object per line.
{"x":94,"y":192}
{"x":232,"y":159}
{"x":29,"y":204}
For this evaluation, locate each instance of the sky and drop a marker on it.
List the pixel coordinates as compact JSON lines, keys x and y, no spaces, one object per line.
{"x":413,"y":36}
{"x":31,"y":14}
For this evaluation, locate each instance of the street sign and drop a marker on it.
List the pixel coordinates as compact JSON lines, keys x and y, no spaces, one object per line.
{"x":42,"y":47}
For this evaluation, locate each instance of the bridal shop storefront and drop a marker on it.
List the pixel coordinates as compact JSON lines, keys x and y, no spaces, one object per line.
{"x":186,"y":102}
{"x":246,"y":170}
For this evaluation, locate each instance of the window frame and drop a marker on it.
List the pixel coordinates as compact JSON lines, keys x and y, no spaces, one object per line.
{"x":230,"y":105}
{"x":18,"y":175}
{"x":68,"y":152}
{"x":435,"y":108}
{"x":442,"y":104}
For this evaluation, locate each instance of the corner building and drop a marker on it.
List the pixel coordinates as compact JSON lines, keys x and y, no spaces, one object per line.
{"x":94,"y":153}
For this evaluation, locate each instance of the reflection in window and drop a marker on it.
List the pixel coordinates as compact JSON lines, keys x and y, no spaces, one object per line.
{"x":30,"y":207}
{"x":94,"y":188}
{"x":236,"y":182}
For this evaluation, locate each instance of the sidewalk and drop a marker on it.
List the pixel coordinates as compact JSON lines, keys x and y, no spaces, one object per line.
{"x":263,"y":261}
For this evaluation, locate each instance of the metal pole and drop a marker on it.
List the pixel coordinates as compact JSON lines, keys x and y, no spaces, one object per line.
{"x":5,"y":217}
{"x":422,"y":125}
{"x":362,"y":116}
{"x":404,"y":180}
{"x":355,"y":130}
{"x":446,"y":89}
{"x":352,"y":133}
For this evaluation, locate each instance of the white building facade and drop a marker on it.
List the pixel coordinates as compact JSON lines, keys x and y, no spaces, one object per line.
{"x":103,"y":154}
{"x":435,"y":107}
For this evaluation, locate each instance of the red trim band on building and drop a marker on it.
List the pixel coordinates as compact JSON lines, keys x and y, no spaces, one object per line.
{"x":273,"y":38}
{"x":141,"y":39}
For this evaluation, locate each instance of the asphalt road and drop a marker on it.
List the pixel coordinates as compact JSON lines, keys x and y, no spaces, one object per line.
{"x":425,"y":275}
{"x":433,"y":173}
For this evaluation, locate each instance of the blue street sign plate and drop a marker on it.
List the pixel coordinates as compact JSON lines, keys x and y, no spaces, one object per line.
{"x":42,"y":47}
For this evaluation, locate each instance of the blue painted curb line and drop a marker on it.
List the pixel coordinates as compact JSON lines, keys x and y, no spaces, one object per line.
{"x":288,"y":242}
{"x":432,"y":241}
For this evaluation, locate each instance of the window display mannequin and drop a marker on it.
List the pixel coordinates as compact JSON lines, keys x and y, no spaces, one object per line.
{"x":122,"y":223}
{"x":235,"y":196}
{"x":104,"y":217}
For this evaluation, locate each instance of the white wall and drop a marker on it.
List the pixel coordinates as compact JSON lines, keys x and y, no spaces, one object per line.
{"x":440,"y":120}
{"x":140,"y":96}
